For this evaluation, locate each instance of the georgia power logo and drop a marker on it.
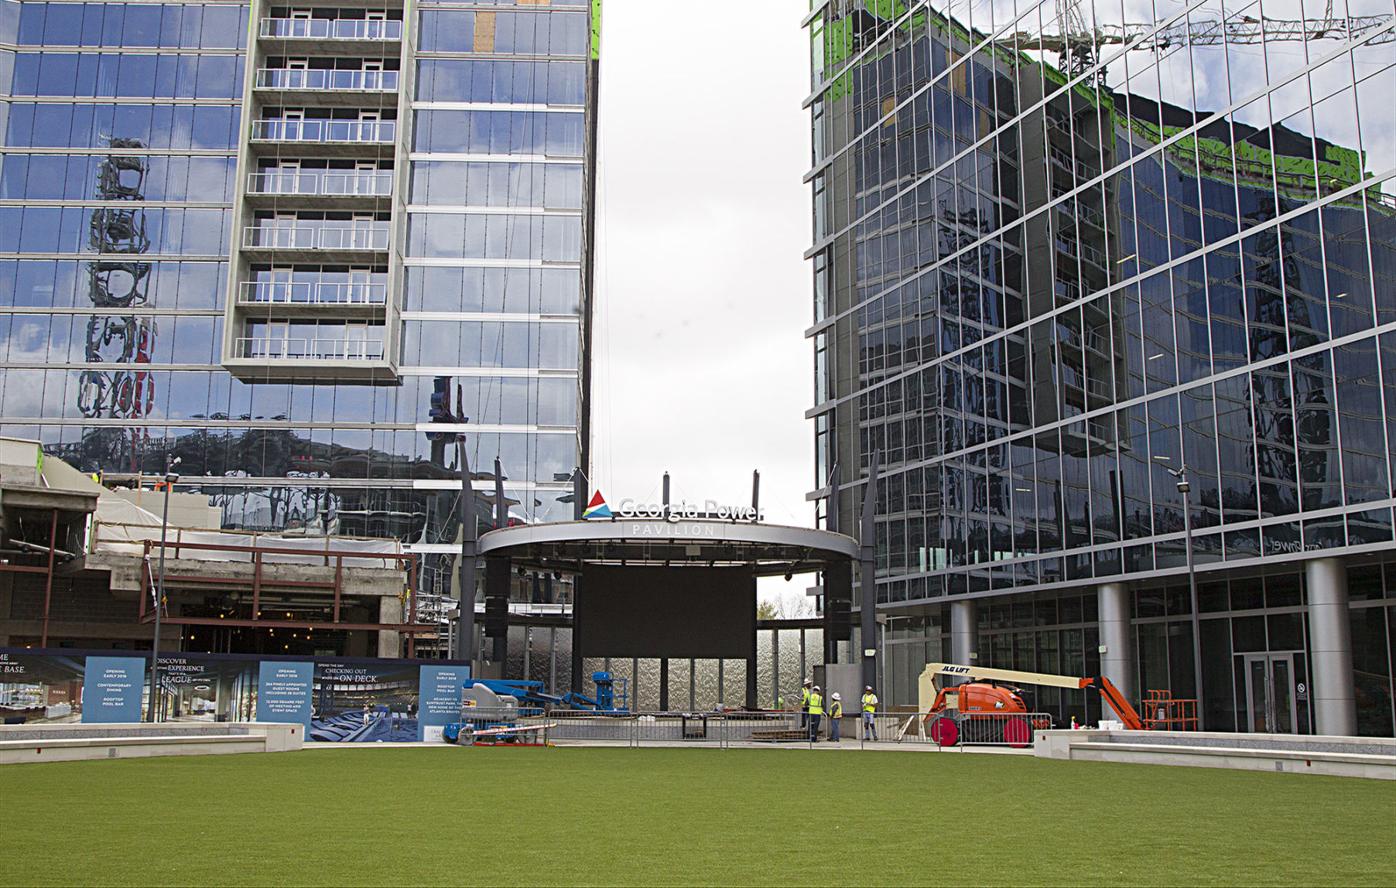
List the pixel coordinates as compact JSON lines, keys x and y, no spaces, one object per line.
{"x":597,"y":508}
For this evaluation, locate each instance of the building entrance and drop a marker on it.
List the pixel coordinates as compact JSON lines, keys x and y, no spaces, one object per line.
{"x":1270,"y":693}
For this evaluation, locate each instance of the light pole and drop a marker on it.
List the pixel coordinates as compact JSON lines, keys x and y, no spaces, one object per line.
{"x":1184,"y":487}
{"x":170,"y":479}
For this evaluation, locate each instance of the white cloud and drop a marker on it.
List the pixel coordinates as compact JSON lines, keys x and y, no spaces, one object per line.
{"x":702,"y":368}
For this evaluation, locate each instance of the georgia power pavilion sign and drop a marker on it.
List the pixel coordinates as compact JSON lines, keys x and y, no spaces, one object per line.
{"x":598,"y":508}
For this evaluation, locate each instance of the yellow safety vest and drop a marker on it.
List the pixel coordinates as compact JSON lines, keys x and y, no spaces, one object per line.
{"x":804,"y":698}
{"x":816,"y":704}
{"x":836,"y":709}
{"x":870,"y":702}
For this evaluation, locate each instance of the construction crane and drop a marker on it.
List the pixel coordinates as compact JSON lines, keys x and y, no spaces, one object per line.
{"x":1078,"y":45}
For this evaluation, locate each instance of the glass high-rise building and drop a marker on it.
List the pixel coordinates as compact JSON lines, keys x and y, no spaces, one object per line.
{"x":262,"y":236}
{"x":1071,"y":258}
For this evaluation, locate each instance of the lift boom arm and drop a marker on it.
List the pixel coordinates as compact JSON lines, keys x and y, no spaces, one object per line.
{"x":926,"y":688}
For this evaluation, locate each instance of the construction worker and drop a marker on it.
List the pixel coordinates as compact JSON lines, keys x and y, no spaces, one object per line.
{"x":816,"y":711}
{"x":869,"y":713}
{"x":804,"y":704}
{"x":835,"y":714}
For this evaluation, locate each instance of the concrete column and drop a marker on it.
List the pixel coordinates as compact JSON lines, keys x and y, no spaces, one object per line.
{"x":389,"y":640}
{"x":1330,"y":645}
{"x":1117,"y":637}
{"x":964,"y":632}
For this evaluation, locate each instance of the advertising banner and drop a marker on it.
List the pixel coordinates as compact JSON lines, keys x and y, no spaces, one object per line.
{"x":39,"y":688}
{"x":338,"y":699}
{"x":283,"y":691}
{"x":202,"y":687}
{"x":112,"y":690}
{"x":440,"y":699}
{"x":363,"y":701}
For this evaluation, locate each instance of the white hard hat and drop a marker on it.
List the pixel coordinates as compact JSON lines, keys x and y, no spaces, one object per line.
{"x":836,"y":696}
{"x":816,"y":687}
{"x":867,"y":687}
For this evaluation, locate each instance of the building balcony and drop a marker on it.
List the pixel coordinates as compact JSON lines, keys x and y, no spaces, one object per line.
{"x":324,"y":137}
{"x":271,"y":348}
{"x":316,"y":241}
{"x":274,"y":358}
{"x":326,"y":86}
{"x":312,"y":297}
{"x":320,"y":35}
{"x":320,"y":188}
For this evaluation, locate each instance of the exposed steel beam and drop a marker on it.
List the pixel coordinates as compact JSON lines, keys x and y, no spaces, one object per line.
{"x":241,"y":623}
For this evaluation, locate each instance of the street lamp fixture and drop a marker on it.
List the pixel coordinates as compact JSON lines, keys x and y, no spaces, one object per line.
{"x":170,"y":478}
{"x":1184,"y":487}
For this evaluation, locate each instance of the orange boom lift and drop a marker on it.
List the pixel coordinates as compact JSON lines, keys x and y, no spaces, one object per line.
{"x":983,"y":698}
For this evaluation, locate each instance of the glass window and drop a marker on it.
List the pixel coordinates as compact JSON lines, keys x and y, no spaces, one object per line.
{"x":58,"y":73}
{"x":1359,"y":401}
{"x":1316,"y":433}
{"x":224,"y":27}
{"x":142,"y":25}
{"x":136,"y":75}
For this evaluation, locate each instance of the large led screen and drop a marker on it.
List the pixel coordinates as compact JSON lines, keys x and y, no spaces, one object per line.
{"x":667,"y":612}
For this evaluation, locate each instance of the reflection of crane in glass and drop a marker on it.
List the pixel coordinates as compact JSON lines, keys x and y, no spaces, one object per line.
{"x":1078,"y":44}
{"x":119,"y":283}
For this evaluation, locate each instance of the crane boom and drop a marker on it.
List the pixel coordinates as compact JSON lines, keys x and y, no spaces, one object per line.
{"x":1209,"y":33}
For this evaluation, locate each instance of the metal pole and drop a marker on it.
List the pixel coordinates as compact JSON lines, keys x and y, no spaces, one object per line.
{"x":501,"y":519}
{"x":48,"y":577}
{"x":867,"y":580}
{"x":664,"y":684}
{"x":170,"y":478}
{"x":501,"y":507}
{"x":831,"y":517}
{"x":579,"y":494}
{"x":1183,"y":488}
{"x":552,"y":660}
{"x":465,"y":630}
{"x":666,"y":496}
{"x":756,"y":495}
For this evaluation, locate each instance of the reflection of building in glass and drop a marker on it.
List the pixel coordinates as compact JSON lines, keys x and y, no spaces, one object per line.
{"x":317,"y":220}
{"x":1036,"y":294}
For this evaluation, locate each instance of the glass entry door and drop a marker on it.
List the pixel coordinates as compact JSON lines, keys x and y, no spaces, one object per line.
{"x":1270,"y":693}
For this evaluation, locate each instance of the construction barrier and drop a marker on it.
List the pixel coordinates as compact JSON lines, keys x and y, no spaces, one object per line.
{"x":945,"y":729}
{"x":486,"y":726}
{"x":668,"y":728}
{"x":948,"y":728}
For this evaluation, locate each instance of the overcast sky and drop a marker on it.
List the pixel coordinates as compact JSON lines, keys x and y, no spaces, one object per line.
{"x":701,"y":365}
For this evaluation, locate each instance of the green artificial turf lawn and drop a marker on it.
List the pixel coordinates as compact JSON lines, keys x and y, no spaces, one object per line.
{"x":680,"y":816}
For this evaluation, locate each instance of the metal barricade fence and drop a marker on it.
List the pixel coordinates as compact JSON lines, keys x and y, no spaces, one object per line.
{"x":672,"y":728}
{"x":591,"y":726}
{"x":761,"y":727}
{"x":951,"y":729}
{"x":946,"y":729}
{"x":500,"y":726}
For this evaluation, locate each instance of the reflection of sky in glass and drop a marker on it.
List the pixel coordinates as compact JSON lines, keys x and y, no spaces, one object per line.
{"x":1130,"y":220}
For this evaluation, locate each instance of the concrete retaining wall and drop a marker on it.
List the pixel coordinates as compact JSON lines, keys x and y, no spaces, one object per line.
{"x":77,"y":742}
{"x":1372,"y":757}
